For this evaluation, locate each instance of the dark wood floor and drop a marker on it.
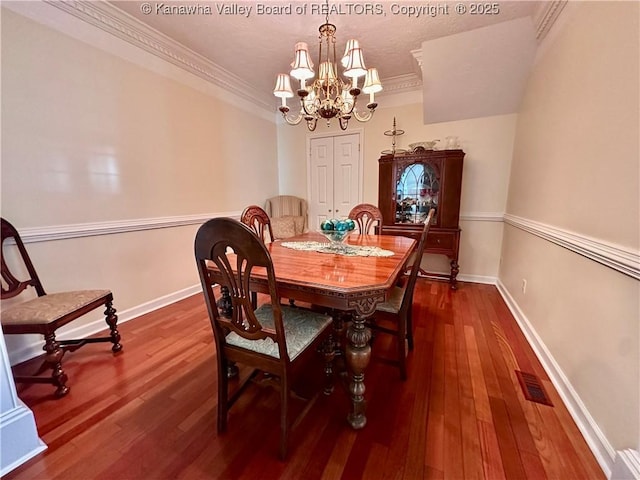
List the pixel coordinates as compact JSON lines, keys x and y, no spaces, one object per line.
{"x":150,"y":412}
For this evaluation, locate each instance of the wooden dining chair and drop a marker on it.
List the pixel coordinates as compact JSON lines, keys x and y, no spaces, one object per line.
{"x":46,"y":313}
{"x":395,"y":315}
{"x":276,"y":339}
{"x":367,"y":217}
{"x":257,"y":219}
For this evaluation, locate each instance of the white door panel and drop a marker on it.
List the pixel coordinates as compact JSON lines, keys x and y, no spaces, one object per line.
{"x":335,"y":177}
{"x":321,"y":170}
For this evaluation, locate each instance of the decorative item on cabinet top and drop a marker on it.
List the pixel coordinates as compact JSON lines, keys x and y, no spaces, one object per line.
{"x":418,"y":146}
{"x":393,"y":133}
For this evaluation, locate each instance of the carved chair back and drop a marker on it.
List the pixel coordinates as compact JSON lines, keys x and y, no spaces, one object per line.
{"x":257,"y":219}
{"x":367,"y":217}
{"x":11,"y":286}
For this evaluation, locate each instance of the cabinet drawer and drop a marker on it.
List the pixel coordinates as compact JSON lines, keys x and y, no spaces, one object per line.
{"x":444,"y":241}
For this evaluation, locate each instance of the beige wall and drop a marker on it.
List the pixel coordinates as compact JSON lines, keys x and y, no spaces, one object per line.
{"x":576,"y":167}
{"x":90,"y":137}
{"x":488,"y":143}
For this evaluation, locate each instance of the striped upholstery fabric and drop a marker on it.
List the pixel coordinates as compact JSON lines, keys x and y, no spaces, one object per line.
{"x":284,"y":205}
{"x":49,"y":308}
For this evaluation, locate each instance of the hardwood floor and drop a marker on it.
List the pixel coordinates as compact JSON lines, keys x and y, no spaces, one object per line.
{"x":150,"y":413}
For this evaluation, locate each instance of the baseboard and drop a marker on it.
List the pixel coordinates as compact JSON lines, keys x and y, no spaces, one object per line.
{"x":598,"y":443}
{"x":478,"y":279}
{"x":35,"y":348}
{"x":18,"y":425}
{"x":626,"y":466}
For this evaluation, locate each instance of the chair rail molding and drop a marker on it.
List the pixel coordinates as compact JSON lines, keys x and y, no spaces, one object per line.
{"x":617,"y":257}
{"x":481,"y":216}
{"x":77,"y":230}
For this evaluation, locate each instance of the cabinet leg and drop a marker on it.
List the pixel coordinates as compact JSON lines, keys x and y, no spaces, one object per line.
{"x":455,"y":268}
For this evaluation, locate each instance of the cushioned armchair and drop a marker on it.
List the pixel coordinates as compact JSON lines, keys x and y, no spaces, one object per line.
{"x":288,"y":215}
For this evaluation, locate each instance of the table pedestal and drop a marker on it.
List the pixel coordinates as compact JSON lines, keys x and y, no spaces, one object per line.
{"x":358,"y":356}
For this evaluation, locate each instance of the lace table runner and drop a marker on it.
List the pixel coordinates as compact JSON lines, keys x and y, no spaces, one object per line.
{"x":339,"y":249}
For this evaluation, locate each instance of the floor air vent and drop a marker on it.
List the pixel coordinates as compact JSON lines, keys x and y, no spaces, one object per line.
{"x":533,"y":389}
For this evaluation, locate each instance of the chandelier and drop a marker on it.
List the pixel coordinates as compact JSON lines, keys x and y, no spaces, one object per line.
{"x":328,"y":96}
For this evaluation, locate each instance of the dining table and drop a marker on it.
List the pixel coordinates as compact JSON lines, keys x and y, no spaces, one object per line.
{"x":353,"y":276}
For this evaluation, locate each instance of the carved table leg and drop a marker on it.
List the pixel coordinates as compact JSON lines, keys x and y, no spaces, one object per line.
{"x":455,"y":268}
{"x":358,"y":355}
{"x":112,"y":320}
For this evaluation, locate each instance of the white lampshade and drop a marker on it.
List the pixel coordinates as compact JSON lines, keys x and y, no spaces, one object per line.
{"x":351,"y":44}
{"x":283,"y":86}
{"x":355,"y":66}
{"x":372,"y":82}
{"x":302,"y":66}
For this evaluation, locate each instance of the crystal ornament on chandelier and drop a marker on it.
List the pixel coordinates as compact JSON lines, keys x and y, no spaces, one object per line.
{"x":328,"y":96}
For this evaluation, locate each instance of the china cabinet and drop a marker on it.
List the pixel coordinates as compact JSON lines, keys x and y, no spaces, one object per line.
{"x":409,"y":185}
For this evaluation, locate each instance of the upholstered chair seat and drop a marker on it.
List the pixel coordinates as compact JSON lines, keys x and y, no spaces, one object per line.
{"x":394,"y":302}
{"x":51,"y":307}
{"x":301,"y":328}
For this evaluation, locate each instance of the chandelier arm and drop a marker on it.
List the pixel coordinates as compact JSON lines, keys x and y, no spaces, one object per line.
{"x":364,"y":117}
{"x":344,"y":122}
{"x":291,"y":120}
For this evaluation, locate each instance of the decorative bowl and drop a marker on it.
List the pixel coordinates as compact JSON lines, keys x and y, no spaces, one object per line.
{"x":336,"y":231}
{"x":336,"y":236}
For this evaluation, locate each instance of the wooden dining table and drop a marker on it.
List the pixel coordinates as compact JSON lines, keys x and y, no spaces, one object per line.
{"x":353,"y":284}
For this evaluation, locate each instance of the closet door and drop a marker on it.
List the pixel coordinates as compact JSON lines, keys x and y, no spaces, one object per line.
{"x":321,"y":175}
{"x":335,"y":177}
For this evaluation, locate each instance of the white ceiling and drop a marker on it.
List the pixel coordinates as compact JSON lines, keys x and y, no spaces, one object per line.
{"x":257,"y":47}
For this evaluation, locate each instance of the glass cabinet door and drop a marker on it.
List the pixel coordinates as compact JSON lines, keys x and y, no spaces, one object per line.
{"x":417,"y":192}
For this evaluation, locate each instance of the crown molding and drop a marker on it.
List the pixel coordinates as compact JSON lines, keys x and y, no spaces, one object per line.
{"x":546,"y":16}
{"x":112,"y":20}
{"x":401,"y":83}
